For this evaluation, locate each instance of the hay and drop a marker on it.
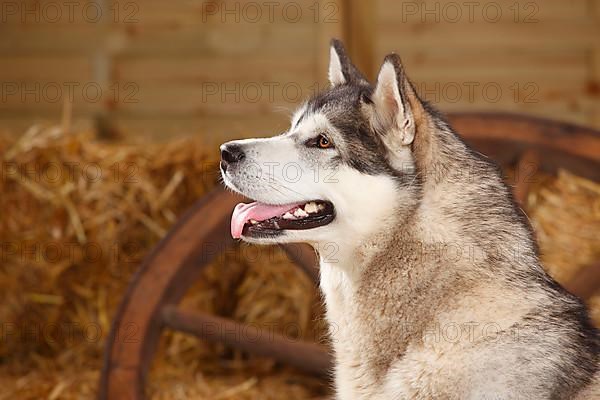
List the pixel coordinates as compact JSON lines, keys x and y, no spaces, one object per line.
{"x":79,"y":215}
{"x":71,"y":241}
{"x":565,"y":214}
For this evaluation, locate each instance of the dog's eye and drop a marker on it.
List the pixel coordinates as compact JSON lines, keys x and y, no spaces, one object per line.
{"x":323,"y":142}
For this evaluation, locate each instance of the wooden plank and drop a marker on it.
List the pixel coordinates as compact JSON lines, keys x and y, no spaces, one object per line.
{"x":48,"y":14}
{"x":525,"y":90}
{"x":160,"y":13}
{"x":486,"y":11}
{"x":169,"y":15}
{"x":558,"y":61}
{"x":228,"y":13}
{"x":52,"y":40}
{"x":234,"y":39}
{"x":213,"y":130}
{"x":499,"y":36}
{"x":161,"y":127}
{"x":48,"y":96}
{"x":205,"y":98}
{"x":229,"y":40}
{"x":331,"y":27}
{"x":360,"y":34}
{"x":74,"y":68}
{"x":549,"y":76}
{"x":195,"y":69}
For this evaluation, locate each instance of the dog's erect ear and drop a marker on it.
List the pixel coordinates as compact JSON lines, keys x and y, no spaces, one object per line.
{"x":394,"y":98}
{"x":341,"y":69}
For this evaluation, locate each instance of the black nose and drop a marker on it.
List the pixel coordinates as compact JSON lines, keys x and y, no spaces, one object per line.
{"x":230,"y":154}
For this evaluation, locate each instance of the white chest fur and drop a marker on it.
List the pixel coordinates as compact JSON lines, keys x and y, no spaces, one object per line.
{"x":339,"y":285}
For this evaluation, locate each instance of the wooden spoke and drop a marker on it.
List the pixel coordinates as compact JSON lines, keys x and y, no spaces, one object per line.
{"x":309,"y":357}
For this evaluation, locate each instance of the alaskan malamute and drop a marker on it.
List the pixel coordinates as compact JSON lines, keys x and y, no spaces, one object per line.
{"x":431,"y":279}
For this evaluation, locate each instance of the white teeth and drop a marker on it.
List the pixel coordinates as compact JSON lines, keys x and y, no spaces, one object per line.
{"x":253,"y":221}
{"x":300,"y":213}
{"x":311,"y":207}
{"x":288,"y":215}
{"x":320,"y":207}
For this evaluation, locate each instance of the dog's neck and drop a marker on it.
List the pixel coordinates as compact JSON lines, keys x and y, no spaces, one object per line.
{"x":406,"y":243}
{"x":370,"y":292}
{"x":381,"y":284}
{"x":345,"y":263}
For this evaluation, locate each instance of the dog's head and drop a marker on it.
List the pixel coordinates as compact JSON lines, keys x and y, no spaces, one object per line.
{"x":345,"y":169}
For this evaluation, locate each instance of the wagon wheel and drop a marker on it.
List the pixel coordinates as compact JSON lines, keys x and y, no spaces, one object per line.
{"x":150,"y":303}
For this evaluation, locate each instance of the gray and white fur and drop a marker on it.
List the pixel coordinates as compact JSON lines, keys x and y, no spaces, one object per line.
{"x":430,"y":273}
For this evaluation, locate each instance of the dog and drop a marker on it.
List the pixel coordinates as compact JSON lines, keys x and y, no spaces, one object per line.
{"x":430,"y":274}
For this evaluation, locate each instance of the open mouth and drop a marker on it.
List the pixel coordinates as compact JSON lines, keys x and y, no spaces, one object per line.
{"x":265,"y":220}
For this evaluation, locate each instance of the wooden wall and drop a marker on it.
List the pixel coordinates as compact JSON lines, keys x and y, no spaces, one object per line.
{"x":232,"y":68}
{"x":539,"y":57}
{"x":216,"y":69}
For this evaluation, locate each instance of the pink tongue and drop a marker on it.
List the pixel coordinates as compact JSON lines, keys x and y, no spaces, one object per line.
{"x":242,"y":213}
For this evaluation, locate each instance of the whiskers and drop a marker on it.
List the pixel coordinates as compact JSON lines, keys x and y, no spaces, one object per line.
{"x":274,"y":184}
{"x":260,"y":184}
